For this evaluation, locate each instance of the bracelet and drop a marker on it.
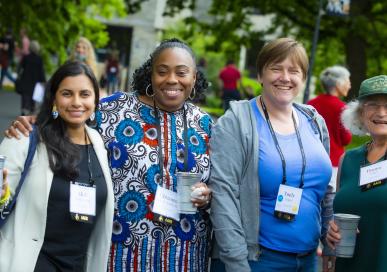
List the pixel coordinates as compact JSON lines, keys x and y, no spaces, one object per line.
{"x":7,"y":194}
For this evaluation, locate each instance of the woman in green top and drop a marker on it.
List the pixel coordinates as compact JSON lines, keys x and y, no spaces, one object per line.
{"x":360,"y":194}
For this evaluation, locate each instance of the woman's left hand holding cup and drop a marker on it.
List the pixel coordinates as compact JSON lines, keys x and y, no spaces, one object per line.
{"x":201,"y":195}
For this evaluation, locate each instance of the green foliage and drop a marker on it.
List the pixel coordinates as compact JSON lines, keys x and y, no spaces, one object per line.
{"x":213,"y":111}
{"x":252,"y":84}
{"x":56,"y":24}
{"x":356,"y":40}
{"x":357,"y":141}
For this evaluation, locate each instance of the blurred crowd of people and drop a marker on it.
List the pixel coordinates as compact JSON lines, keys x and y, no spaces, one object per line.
{"x":22,"y":64}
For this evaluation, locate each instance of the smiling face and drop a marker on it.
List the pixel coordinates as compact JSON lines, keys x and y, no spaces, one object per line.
{"x":374,"y":116}
{"x":281,"y":81}
{"x":173,"y":77}
{"x":75,"y":100}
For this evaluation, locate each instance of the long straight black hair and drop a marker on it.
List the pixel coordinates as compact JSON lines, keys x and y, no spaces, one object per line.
{"x":63,"y":155}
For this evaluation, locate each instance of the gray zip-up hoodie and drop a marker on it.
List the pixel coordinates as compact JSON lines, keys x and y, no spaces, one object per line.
{"x":235,"y":205}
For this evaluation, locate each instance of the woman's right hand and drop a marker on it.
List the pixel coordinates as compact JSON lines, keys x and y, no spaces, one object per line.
{"x":22,"y":124}
{"x":333,"y":236}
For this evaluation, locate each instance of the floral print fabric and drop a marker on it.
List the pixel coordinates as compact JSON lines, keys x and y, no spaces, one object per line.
{"x":129,"y":130}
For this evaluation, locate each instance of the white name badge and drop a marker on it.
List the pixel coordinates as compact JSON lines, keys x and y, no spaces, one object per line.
{"x":166,"y":203}
{"x":82,"y":199}
{"x":373,"y":172}
{"x":288,"y":199}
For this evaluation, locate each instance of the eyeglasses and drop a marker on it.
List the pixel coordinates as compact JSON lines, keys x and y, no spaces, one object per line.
{"x":373,"y":106}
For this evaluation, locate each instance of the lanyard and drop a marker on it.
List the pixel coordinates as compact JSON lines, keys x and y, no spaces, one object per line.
{"x":279,"y":148}
{"x":185,"y":138}
{"x":91,"y":180}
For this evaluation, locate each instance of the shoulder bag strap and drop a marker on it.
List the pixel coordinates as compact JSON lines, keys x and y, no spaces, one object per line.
{"x":31,"y":152}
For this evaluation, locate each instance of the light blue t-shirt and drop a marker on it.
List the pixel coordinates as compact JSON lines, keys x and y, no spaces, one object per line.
{"x":302,"y":234}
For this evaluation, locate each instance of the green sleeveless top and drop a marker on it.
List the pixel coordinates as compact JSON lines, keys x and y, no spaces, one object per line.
{"x":371,"y":245}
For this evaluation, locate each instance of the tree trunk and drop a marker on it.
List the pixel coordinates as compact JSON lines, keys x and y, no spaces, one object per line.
{"x":355,"y":49}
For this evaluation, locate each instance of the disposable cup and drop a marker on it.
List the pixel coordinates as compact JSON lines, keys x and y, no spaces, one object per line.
{"x":2,"y":162}
{"x":347,"y":224}
{"x":185,"y":181}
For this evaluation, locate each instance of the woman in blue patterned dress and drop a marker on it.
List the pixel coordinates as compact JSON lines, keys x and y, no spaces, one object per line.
{"x":151,"y":135}
{"x":144,"y":133}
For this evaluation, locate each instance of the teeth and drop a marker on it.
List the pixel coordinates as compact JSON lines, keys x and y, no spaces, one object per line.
{"x":283,"y":87}
{"x":380,"y":122}
{"x":171,"y":91}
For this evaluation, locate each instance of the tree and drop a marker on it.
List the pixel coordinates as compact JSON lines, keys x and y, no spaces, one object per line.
{"x":356,"y":40}
{"x":56,"y":24}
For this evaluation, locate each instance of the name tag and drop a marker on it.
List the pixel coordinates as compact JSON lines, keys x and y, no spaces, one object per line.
{"x":165,"y":206}
{"x":373,"y":175}
{"x":288,"y":202}
{"x":82,"y":202}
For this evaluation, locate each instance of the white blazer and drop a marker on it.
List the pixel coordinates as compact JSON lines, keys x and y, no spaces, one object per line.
{"x":21,"y":238}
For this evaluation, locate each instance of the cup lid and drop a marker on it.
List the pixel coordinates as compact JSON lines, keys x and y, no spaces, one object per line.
{"x":188,"y":174}
{"x":346,"y":216}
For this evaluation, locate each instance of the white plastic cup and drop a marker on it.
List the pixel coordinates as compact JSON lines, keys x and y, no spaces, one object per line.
{"x":2,"y":162}
{"x":347,"y":224}
{"x":185,"y":181}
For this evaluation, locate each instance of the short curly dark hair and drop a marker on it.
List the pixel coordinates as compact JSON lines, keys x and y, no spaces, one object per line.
{"x":142,"y":76}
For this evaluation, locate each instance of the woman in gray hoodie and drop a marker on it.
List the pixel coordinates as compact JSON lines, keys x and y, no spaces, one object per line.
{"x":270,"y":171}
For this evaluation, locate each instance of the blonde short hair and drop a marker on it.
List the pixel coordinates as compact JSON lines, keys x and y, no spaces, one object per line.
{"x":278,"y":50}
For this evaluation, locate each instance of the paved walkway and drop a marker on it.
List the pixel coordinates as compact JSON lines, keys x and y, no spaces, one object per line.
{"x":9,"y":109}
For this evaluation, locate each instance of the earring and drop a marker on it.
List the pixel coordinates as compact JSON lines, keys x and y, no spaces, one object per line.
{"x":146,"y":91}
{"x":54,"y":113}
{"x":192,"y":92}
{"x":92,"y":117}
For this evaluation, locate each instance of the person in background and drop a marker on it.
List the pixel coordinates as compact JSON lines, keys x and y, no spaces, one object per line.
{"x":112,"y":72}
{"x":365,"y":116}
{"x":42,"y":234}
{"x":84,"y":51}
{"x":25,"y":43}
{"x":7,"y":46}
{"x":335,"y":83}
{"x":265,"y":152}
{"x":229,"y":77}
{"x":151,"y":134}
{"x":31,"y":71}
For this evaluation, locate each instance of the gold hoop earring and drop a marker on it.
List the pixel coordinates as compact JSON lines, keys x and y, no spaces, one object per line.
{"x":192,"y":92}
{"x":146,"y":91}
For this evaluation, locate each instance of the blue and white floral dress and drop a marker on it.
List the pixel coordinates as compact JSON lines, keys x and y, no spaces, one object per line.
{"x":129,"y":130}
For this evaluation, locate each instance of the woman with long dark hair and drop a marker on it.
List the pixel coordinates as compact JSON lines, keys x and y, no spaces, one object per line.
{"x":62,"y":220}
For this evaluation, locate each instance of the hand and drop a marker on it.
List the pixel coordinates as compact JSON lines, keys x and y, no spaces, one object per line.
{"x":5,"y":183}
{"x":333,"y":235}
{"x":201,"y":194}
{"x":328,"y":264}
{"x":21,"y":124}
